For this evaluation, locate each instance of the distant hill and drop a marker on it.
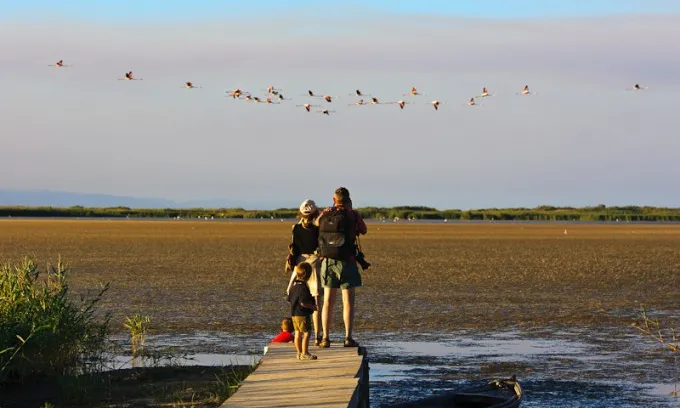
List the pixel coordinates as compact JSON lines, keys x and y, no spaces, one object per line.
{"x":34,"y":198}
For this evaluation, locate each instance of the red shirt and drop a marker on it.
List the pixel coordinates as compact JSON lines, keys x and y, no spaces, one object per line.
{"x":283,"y":337}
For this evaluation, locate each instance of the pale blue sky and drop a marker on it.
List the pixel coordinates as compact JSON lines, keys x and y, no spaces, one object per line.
{"x":581,"y":140}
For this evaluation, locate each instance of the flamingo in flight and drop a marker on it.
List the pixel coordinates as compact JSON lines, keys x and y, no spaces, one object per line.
{"x":359,"y":93}
{"x":357,"y":103}
{"x":525,"y":91}
{"x":485,"y":93}
{"x":269,"y":101}
{"x":637,"y":87}
{"x":400,"y":103}
{"x":325,"y":112}
{"x":129,"y":77}
{"x":59,"y":64}
{"x":189,"y":85}
{"x":374,"y":101}
{"x":435,"y":104}
{"x":413,"y":92}
{"x":271,"y":90}
{"x":472,"y":102}
{"x":235,"y":93}
{"x":308,"y":107}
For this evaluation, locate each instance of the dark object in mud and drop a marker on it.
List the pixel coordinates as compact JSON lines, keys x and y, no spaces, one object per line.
{"x":494,"y":394}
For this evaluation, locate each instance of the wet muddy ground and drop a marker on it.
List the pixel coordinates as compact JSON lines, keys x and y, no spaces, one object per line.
{"x":566,"y":368}
{"x":443,"y":304}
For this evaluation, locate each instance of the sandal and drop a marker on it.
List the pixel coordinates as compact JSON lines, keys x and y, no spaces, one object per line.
{"x":325,"y":343}
{"x":317,"y":342}
{"x":349,"y":342}
{"x":308,"y":356}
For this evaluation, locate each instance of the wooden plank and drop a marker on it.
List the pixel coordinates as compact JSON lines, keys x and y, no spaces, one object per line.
{"x":281,"y":380}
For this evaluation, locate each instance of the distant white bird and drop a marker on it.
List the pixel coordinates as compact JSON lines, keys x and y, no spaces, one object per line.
{"x":525,"y":91}
{"x":130,"y":77}
{"x":59,"y":64}
{"x":565,"y":231}
{"x":637,"y":87}
{"x":485,"y":93}
{"x":413,"y":92}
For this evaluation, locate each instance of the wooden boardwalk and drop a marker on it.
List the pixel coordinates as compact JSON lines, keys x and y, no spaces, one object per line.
{"x":339,"y":378}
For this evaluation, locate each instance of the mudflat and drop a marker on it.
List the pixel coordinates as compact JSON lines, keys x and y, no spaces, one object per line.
{"x":219,"y":275}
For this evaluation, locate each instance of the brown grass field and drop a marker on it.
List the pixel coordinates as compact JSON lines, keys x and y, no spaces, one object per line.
{"x":209,"y":275}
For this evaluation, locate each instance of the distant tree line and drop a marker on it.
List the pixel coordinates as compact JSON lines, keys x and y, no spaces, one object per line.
{"x":541,"y":213}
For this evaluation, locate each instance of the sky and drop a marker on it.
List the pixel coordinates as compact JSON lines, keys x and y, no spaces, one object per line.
{"x":579,"y":139}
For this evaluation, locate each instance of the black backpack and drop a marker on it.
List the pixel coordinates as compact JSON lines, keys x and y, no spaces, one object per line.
{"x":335,"y":241}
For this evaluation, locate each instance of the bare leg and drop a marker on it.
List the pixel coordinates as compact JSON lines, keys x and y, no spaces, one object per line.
{"x":305,"y":343}
{"x":316,"y":318}
{"x":298,"y":343}
{"x":327,"y":313}
{"x":348,"y":311}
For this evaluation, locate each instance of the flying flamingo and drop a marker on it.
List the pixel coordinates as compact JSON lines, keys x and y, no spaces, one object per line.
{"x":485,"y":93}
{"x":269,"y":101}
{"x":435,"y":104}
{"x":235,"y":93}
{"x":308,"y":107}
{"x":400,"y":103}
{"x":357,"y":103}
{"x":189,"y":85}
{"x":359,"y":93}
{"x":525,"y":91}
{"x":637,"y":87}
{"x":129,"y":77}
{"x":413,"y":92}
{"x":271,"y":90}
{"x":374,"y":101}
{"x":59,"y":64}
{"x":325,"y":112}
{"x":472,"y":102}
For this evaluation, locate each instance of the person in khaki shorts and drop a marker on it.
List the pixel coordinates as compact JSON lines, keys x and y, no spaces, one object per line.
{"x":301,"y":308}
{"x":303,"y":247}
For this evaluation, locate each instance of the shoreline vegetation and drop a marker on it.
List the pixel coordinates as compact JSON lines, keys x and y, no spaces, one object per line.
{"x":599,"y":213}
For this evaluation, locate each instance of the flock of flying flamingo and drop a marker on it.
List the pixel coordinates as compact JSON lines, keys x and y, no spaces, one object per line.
{"x":275,"y":96}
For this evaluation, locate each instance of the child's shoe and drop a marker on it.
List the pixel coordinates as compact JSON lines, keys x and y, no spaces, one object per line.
{"x":308,"y":356}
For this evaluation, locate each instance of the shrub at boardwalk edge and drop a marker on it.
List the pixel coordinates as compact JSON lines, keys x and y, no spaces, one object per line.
{"x":42,"y":331}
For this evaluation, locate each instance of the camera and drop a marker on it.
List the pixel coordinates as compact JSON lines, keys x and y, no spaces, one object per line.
{"x":362,"y":261}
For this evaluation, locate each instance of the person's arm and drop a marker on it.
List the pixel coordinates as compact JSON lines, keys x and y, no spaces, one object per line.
{"x":361,"y":225}
{"x":308,"y":305}
{"x":316,"y":220}
{"x":290,"y":284}
{"x":307,"y":301}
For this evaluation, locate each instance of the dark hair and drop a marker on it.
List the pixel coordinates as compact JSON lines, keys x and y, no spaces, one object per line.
{"x":342,"y":195}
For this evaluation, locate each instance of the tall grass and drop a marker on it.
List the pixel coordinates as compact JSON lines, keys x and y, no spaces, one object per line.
{"x":137,"y":325}
{"x":42,"y":330}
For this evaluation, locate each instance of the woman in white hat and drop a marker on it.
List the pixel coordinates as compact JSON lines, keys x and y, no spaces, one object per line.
{"x":303,"y":248}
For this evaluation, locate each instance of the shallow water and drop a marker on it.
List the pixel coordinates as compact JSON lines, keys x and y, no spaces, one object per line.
{"x":559,"y":368}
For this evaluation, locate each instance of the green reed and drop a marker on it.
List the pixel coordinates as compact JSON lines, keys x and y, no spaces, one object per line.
{"x":42,"y":330}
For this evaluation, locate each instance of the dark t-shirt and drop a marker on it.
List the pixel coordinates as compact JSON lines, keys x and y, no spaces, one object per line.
{"x":300,"y":293}
{"x":305,"y":240}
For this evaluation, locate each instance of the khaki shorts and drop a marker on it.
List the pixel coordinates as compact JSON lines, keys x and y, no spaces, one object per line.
{"x":314,"y":282}
{"x":302,"y":324}
{"x":338,"y":274}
